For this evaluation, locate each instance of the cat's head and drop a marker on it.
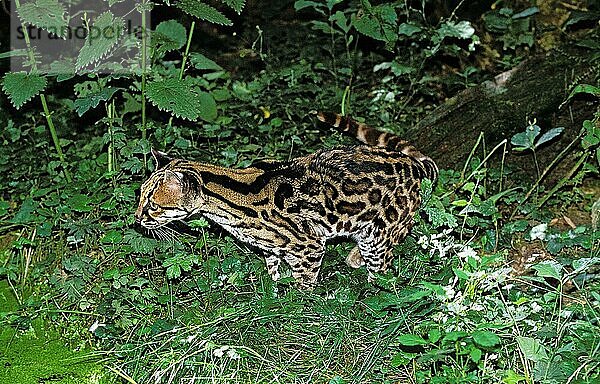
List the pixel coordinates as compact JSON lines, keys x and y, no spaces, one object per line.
{"x":169,"y":194}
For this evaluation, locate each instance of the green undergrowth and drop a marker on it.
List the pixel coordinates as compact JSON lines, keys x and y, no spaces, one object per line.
{"x":37,"y":353}
{"x":497,"y":283}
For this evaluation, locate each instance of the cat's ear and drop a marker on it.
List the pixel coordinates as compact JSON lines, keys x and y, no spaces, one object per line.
{"x":160,"y":158}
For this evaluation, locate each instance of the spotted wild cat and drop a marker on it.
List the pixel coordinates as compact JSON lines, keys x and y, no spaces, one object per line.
{"x":368,"y":193}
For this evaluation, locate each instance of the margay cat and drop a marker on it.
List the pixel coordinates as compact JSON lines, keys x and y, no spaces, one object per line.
{"x":368,"y":193}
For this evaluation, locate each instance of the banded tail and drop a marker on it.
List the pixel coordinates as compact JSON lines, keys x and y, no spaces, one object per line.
{"x":376,"y":138}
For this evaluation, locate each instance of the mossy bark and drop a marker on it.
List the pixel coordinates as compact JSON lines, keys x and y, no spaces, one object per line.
{"x":534,"y":89}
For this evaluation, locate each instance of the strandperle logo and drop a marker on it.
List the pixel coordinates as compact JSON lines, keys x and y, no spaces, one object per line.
{"x":76,"y":37}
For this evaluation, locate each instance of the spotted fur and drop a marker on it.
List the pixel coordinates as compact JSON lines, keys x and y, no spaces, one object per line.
{"x":368,"y":193}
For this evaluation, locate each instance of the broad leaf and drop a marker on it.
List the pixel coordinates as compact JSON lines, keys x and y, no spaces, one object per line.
{"x":549,"y":269}
{"x":411,"y":340}
{"x":181,"y":98}
{"x":46,"y":14}
{"x":82,"y":105}
{"x":199,"y":61}
{"x":169,"y":35}
{"x":486,"y":338}
{"x":105,"y":33}
{"x":551,"y":134}
{"x":203,"y":12}
{"x":532,"y":349}
{"x":20,"y":87}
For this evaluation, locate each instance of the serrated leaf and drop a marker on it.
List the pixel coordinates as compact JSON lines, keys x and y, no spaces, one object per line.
{"x":170,"y":35}
{"x":486,"y":338}
{"x":379,"y":23}
{"x":199,"y":61}
{"x":182,"y":99}
{"x":551,"y":134}
{"x":203,"y":12}
{"x":104,"y":34}
{"x":20,"y":87}
{"x":236,"y":5}
{"x":46,"y":14}
{"x":82,"y":105}
{"x":410,"y":340}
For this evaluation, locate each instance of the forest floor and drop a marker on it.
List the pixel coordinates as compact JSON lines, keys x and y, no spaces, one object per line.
{"x":498,"y":282}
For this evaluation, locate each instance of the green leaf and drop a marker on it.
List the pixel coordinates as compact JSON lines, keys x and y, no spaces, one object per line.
{"x":79,"y":203}
{"x":104,"y":34}
{"x":379,"y":22}
{"x":26,"y":213}
{"x":83,"y":104}
{"x":181,"y":98}
{"x":455,"y":335}
{"x":551,"y":134}
{"x":592,"y":136}
{"x":549,"y":268}
{"x":532,"y":349}
{"x":525,"y":140}
{"x":170,"y":35}
{"x":411,"y":340}
{"x":434,"y":335}
{"x":176,"y":96}
{"x":526,"y":13}
{"x":203,"y":12}
{"x":236,"y":5}
{"x":486,"y":338}
{"x":112,"y":237}
{"x":20,"y":87}
{"x":199,"y":61}
{"x":512,"y":377}
{"x":408,"y":29}
{"x":46,"y":14}
{"x":475,"y":354}
{"x":208,"y":106}
{"x":301,"y":4}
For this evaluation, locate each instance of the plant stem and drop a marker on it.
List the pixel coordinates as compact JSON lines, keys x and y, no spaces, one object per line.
{"x":47,"y":113}
{"x":547,"y":169}
{"x":564,"y":180}
{"x":184,"y":61}
{"x":143,"y":85}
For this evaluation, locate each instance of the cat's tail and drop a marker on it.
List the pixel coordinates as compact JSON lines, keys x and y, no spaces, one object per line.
{"x":374,"y":137}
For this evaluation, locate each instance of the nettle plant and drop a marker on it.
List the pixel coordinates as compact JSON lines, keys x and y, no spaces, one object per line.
{"x":87,"y":193}
{"x":126,"y":86}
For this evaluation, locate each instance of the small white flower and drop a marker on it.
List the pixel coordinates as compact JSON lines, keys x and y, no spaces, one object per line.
{"x":456,"y":307}
{"x":223,"y":277}
{"x":219,"y":352}
{"x":467,"y":252}
{"x":232,"y":354}
{"x":565,"y":314}
{"x":535,"y":307}
{"x":190,"y":338}
{"x":538,"y":232}
{"x":477,"y":307}
{"x":96,"y":325}
{"x":449,"y":291}
{"x":493,"y":356}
